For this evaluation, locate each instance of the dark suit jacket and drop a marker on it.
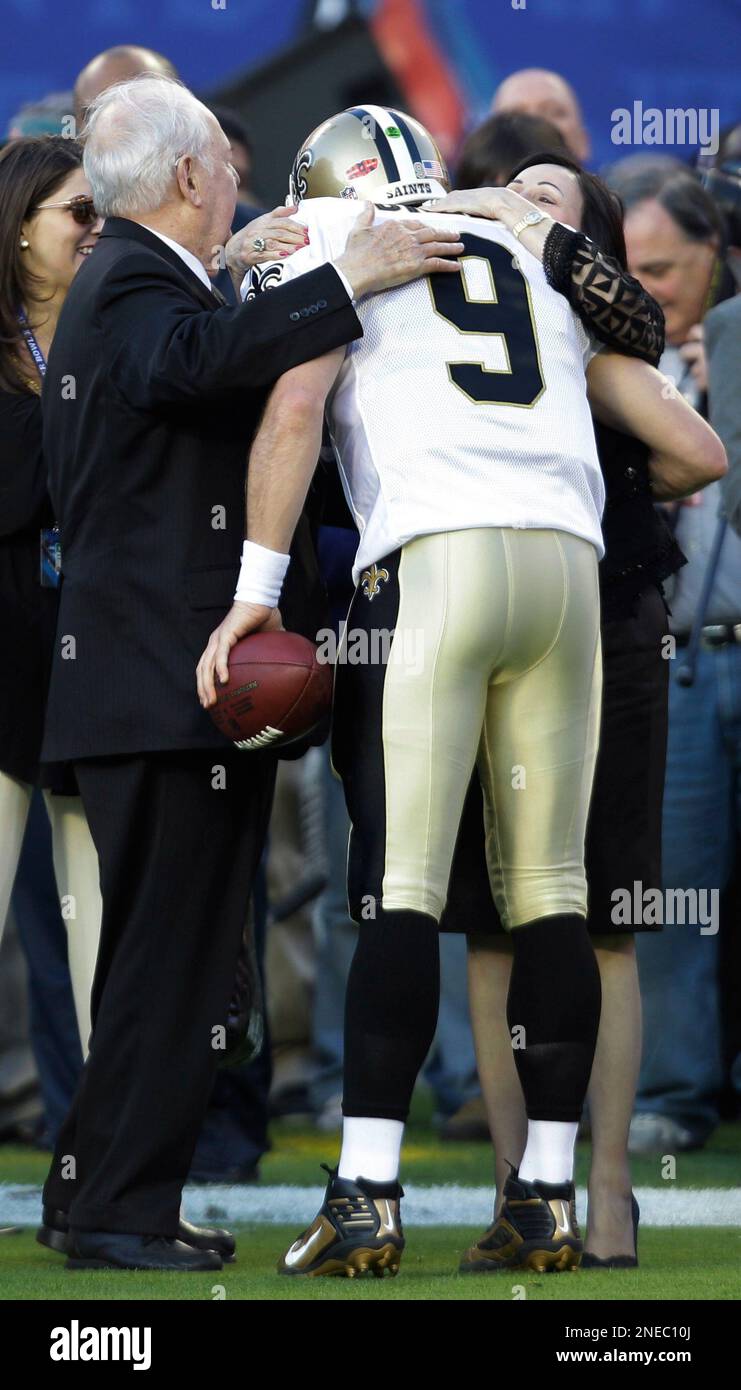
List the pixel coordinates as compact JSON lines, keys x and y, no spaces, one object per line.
{"x":723,"y":347}
{"x":152,"y":395}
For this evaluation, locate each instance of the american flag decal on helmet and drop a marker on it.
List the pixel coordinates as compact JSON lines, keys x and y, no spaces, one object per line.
{"x":428,"y":169}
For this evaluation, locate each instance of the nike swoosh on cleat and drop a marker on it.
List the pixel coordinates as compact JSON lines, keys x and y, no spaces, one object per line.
{"x":386,"y":1227}
{"x":299,"y":1252}
{"x":563,"y":1226}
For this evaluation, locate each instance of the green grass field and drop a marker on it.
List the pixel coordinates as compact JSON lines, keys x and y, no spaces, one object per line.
{"x":676,"y":1263}
{"x":683,"y":1264}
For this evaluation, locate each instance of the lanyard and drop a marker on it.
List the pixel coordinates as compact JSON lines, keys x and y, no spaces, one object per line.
{"x":32,"y":345}
{"x":50,"y":549}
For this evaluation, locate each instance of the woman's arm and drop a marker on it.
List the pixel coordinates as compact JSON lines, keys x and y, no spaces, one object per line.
{"x":686,"y":454}
{"x":611,"y":304}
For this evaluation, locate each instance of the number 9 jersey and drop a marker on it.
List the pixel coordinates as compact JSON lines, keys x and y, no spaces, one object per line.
{"x":464,"y":403}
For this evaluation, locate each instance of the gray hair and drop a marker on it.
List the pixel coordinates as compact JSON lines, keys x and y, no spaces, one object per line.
{"x":681,"y":195}
{"x":134,"y":135}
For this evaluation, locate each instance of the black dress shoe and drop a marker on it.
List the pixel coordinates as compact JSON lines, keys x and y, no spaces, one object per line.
{"x":208,"y":1238}
{"x":589,"y":1261}
{"x":112,"y":1250}
{"x":54,"y":1234}
{"x":54,"y":1231}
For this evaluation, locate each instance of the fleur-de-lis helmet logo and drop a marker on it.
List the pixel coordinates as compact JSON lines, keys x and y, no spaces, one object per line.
{"x":297,"y":182}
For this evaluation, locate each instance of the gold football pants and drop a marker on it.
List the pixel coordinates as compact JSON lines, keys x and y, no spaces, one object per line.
{"x":494,"y":660}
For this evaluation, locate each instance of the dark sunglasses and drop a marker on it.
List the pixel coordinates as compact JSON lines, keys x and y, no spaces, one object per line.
{"x":82,"y":208}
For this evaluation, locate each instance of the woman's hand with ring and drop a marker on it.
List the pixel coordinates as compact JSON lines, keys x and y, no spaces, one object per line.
{"x":277,"y":235}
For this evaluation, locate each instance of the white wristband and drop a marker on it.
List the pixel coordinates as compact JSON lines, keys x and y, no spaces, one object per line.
{"x":261,"y":575}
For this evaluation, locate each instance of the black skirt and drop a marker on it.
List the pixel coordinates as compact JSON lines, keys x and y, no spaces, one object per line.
{"x":623,"y":844}
{"x":28,"y":612}
{"x":28,"y":617}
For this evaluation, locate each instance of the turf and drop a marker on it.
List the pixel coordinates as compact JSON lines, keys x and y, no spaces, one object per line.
{"x":679,"y":1264}
{"x":676,"y":1263}
{"x":297,"y":1153}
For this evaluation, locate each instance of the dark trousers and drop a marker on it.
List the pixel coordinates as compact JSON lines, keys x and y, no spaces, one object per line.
{"x":179,"y":837}
{"x":234,"y":1134}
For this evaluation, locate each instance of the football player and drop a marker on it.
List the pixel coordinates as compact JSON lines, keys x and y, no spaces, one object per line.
{"x":466,"y":450}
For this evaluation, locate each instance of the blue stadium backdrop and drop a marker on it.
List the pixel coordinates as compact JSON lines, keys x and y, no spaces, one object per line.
{"x":665,"y":53}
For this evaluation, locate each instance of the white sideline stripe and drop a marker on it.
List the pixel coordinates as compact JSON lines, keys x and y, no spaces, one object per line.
{"x":285,"y":1205}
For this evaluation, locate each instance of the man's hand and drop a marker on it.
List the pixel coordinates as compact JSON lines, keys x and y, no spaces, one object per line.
{"x":394,"y":252}
{"x":241,"y":619}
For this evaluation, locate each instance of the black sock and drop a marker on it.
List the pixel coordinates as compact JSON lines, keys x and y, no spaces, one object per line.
{"x":391,"y":1006}
{"x":555,"y":998}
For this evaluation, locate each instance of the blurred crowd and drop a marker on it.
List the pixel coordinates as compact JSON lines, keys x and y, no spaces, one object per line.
{"x":683,"y":237}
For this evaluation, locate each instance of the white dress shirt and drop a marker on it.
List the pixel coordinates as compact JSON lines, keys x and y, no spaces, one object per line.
{"x":199,"y":269}
{"x":191,"y":261}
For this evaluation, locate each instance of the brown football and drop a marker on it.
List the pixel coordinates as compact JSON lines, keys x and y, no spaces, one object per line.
{"x":277,"y":691}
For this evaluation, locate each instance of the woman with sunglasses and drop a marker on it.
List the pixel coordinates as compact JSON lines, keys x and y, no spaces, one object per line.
{"x":49,"y":227}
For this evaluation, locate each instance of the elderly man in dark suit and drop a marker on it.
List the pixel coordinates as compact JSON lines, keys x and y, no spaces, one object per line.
{"x":152,"y":395}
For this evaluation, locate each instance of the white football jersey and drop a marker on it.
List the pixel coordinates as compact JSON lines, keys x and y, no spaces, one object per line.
{"x":464,"y":403}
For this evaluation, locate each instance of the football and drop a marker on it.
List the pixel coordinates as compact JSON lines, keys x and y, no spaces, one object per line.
{"x":277,"y":691}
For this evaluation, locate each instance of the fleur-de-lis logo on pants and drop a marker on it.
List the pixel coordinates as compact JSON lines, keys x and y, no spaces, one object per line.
{"x":371,"y":581}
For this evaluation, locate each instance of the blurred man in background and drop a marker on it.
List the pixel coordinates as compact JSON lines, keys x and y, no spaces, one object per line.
{"x":240,"y":142}
{"x":117,"y":64}
{"x":722,"y":335}
{"x":500,"y":143}
{"x":539,"y":92}
{"x":723,"y":352}
{"x":723,"y":349}
{"x":42,"y":117}
{"x":675,"y":240}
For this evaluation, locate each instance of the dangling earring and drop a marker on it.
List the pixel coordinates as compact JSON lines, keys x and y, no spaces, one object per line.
{"x":24,"y":244}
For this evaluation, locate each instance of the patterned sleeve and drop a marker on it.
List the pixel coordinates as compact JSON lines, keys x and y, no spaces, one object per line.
{"x":612,"y":305}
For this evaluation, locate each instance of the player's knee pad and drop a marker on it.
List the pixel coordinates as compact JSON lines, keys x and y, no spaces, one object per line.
{"x":553,"y":1012}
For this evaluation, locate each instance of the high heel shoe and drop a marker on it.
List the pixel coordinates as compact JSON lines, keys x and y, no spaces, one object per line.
{"x":589,"y":1261}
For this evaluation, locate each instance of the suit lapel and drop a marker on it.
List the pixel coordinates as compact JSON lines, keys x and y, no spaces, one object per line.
{"x":132,"y":231}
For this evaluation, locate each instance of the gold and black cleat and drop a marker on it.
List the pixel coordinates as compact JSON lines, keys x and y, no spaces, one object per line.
{"x":536,"y":1229}
{"x":356,"y":1231}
